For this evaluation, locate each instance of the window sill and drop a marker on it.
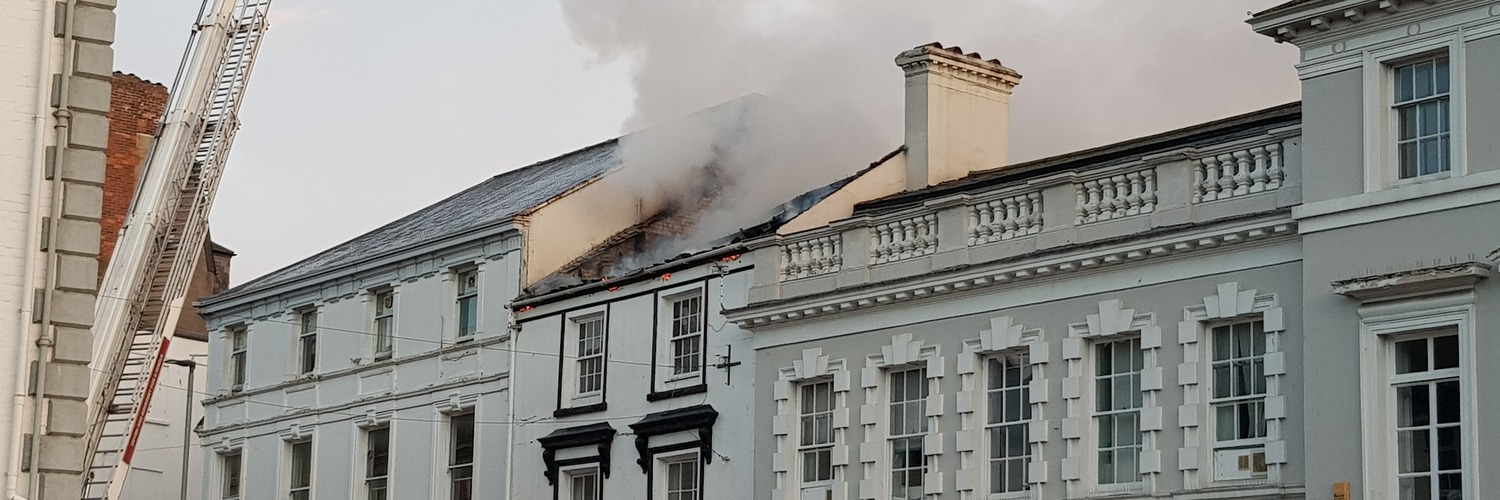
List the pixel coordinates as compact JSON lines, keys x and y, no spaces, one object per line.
{"x":1385,"y":204}
{"x":678,"y":392}
{"x":580,"y":410}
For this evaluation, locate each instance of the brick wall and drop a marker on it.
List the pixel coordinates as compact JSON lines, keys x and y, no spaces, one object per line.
{"x":135,"y":109}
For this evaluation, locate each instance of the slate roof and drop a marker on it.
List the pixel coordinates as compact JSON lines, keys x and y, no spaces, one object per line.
{"x":490,"y":203}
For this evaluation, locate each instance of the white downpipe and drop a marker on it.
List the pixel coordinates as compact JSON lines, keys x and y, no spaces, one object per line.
{"x":10,"y":440}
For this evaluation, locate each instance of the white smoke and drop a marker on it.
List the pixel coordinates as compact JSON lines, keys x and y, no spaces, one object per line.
{"x":1096,"y":72}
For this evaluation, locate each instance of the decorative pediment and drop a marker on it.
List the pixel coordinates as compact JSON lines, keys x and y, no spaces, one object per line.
{"x":373,"y":419}
{"x":902,"y":350}
{"x":1112,"y":319}
{"x":812,"y":365}
{"x":456,"y":403}
{"x":1424,"y":281}
{"x":296,"y":432}
{"x":1003,"y":334}
{"x":227,"y":444}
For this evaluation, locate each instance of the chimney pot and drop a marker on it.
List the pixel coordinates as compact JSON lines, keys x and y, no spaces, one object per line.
{"x":957,"y":113}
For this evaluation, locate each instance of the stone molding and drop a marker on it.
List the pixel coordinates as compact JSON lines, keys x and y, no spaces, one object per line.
{"x":813,"y":367}
{"x":1112,"y":320}
{"x":902,"y":352}
{"x":938,"y":285}
{"x":1003,"y":336}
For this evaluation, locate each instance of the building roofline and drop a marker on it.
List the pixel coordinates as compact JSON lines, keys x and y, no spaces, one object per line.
{"x":1290,"y":112}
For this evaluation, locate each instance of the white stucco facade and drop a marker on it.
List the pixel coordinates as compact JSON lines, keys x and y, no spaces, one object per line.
{"x":430,"y":376}
{"x":646,"y":415}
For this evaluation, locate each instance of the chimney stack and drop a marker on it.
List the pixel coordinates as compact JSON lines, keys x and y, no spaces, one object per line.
{"x":957,"y":113}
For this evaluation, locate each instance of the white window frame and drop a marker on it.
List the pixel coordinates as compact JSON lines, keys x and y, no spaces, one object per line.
{"x":383,"y":307}
{"x":1080,"y":469}
{"x":238,"y":343}
{"x":1382,"y":164}
{"x":891,"y":437}
{"x":662,"y":475}
{"x":1095,"y":414}
{"x":225,"y":471}
{"x":1381,"y":325}
{"x":1199,"y":462}
{"x":454,"y":468}
{"x":1212,"y":385}
{"x":464,"y":291}
{"x":813,"y":366}
{"x":1415,"y":103}
{"x":292,"y":488}
{"x":569,"y":474}
{"x":572,"y":360}
{"x":307,"y":341}
{"x":667,"y":377}
{"x":811,"y":419}
{"x":904,"y":352}
{"x":1004,"y":337}
{"x":1023,"y":356}
{"x":367,"y":480}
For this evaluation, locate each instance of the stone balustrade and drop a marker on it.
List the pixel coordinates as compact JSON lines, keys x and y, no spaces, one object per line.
{"x":1005,"y":218}
{"x":1185,"y":186}
{"x":812,"y":257}
{"x":1238,"y":173}
{"x":903,"y":239}
{"x":1116,"y":196}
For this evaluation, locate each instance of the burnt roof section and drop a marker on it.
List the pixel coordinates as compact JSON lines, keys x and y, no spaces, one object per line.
{"x":1214,"y":132}
{"x":730,"y":243}
{"x":490,"y":203}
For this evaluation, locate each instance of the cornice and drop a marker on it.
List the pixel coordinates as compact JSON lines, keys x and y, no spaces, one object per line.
{"x":1173,"y":246}
{"x":1315,"y":24}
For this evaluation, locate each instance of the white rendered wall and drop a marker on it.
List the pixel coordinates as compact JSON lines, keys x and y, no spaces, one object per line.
{"x":628,"y":381}
{"x":21,"y":50}
{"x":428,"y":375}
{"x":156,"y":472}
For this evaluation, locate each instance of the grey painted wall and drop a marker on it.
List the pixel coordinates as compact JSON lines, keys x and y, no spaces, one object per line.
{"x":1165,"y":301}
{"x":1482,"y":72}
{"x":1332,"y":136}
{"x":1331,"y":344}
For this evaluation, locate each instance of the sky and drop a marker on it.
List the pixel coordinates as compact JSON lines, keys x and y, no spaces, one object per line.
{"x":362,"y":111}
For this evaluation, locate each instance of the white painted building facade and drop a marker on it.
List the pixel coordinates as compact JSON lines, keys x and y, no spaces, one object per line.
{"x":651,"y":394}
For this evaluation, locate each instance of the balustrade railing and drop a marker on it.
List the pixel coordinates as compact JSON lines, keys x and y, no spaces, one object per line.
{"x":903,"y":239}
{"x":1237,"y":173}
{"x":1116,"y":196}
{"x":1005,"y":218}
{"x":813,"y":257}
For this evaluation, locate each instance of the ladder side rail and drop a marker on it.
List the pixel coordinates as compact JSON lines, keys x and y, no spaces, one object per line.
{"x":216,"y":131}
{"x":143,"y":238}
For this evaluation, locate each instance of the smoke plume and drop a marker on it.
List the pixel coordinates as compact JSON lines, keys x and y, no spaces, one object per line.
{"x":1093,"y":76}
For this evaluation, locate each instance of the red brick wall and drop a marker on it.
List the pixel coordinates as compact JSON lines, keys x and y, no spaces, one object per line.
{"x":136,"y":106}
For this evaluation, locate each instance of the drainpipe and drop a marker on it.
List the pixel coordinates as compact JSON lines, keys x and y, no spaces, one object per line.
{"x":10,"y":441}
{"x":46,"y":338}
{"x":510,"y":396}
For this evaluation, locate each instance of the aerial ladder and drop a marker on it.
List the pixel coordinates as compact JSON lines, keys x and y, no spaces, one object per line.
{"x":163,"y":236}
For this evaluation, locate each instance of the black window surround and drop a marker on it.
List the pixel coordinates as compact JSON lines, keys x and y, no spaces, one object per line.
{"x":698,"y":418}
{"x":600,"y":434}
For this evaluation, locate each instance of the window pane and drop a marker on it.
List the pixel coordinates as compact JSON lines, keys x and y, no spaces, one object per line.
{"x":1404,"y":85}
{"x":1106,"y":467}
{"x":1103,"y":393}
{"x":1423,"y":79}
{"x":1126,"y":432}
{"x":1102,"y":358}
{"x":1122,"y":357}
{"x":1408,"y":155}
{"x":1221,"y":380}
{"x":1106,"y":431}
{"x":1415,"y":453}
{"x":1416,"y":488}
{"x":1445,"y":352}
{"x":1242,"y":342}
{"x":1123,"y":397}
{"x":1449,"y":449}
{"x":1222,"y":343}
{"x":1450,"y":486}
{"x":1012,"y":405}
{"x":1441,"y":72}
{"x":1448,"y":402}
{"x":1411,"y":406}
{"x":1411,"y":356}
{"x":1224,"y":422}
